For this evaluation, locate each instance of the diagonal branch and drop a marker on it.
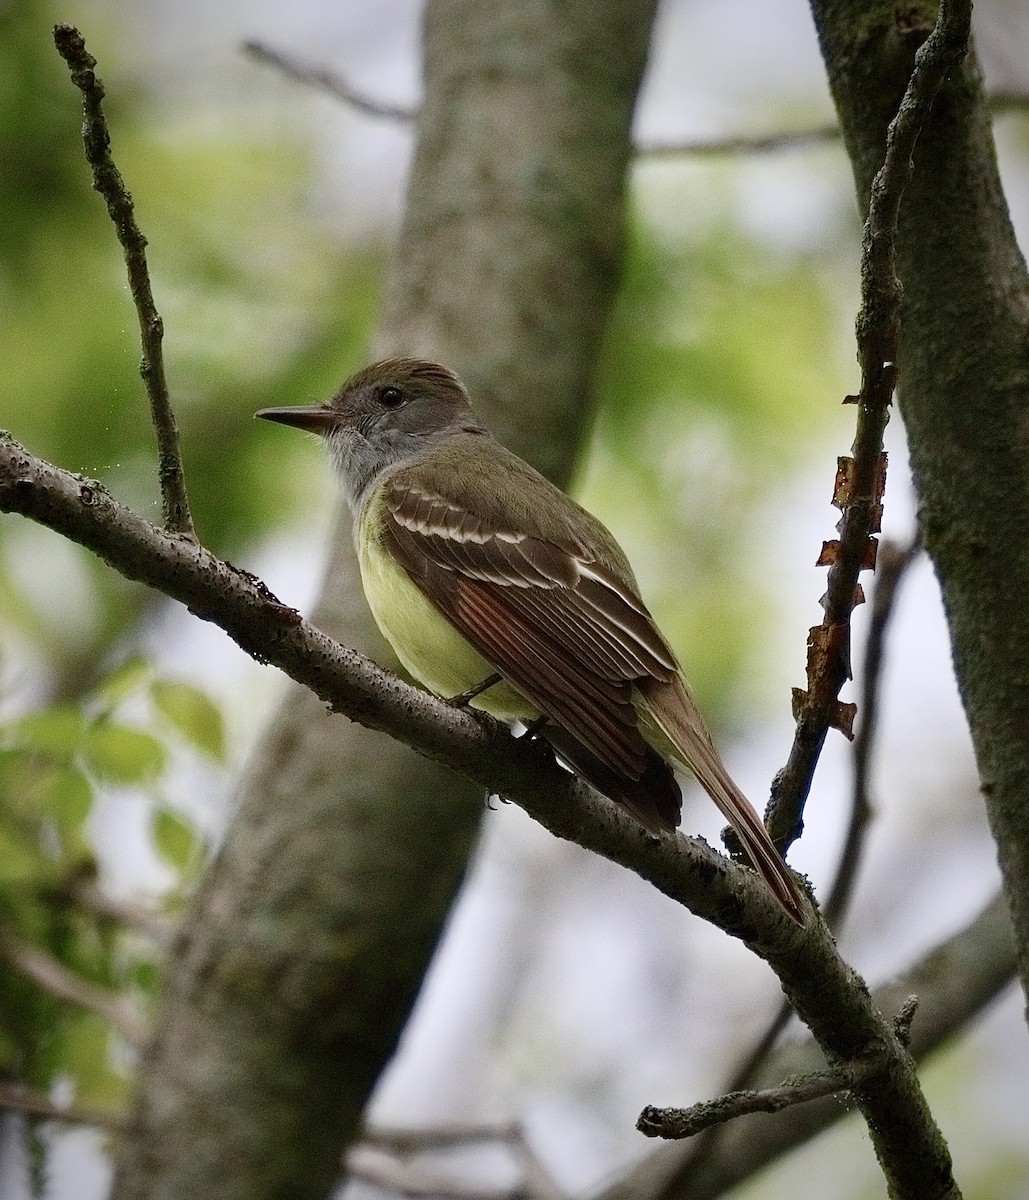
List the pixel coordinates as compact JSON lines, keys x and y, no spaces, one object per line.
{"x":57,"y":980}
{"x":466,"y":740}
{"x":861,"y":478}
{"x":108,"y":182}
{"x":327,"y":80}
{"x":892,"y":566}
{"x":826,"y":993}
{"x":955,"y":981}
{"x":15,"y":1097}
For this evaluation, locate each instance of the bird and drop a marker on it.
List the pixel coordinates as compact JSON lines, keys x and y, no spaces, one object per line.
{"x":498,"y":590}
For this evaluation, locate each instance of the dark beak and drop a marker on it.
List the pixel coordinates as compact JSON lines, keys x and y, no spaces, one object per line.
{"x":316,"y":418}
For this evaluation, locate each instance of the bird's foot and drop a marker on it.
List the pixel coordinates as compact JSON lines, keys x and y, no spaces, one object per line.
{"x":465,"y":698}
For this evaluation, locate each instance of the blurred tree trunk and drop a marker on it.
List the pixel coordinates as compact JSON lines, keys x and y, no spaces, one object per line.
{"x":964,"y":382}
{"x":306,"y":945}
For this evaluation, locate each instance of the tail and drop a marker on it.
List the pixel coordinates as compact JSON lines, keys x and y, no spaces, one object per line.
{"x":670,"y":716}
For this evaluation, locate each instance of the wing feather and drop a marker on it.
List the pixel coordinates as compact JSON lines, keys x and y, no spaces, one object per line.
{"x":554,"y":626}
{"x":601,"y":717}
{"x":588,"y":604}
{"x":557,"y":614}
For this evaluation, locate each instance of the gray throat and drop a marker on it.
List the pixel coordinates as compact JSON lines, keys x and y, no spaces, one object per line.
{"x":359,"y":465}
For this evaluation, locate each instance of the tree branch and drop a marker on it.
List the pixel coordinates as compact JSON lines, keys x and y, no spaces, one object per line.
{"x":404,"y":1141}
{"x":327,"y":80}
{"x":331,"y":81}
{"x":142,"y":918}
{"x":739,"y":143}
{"x":678,"y":1123}
{"x":57,"y":980}
{"x":826,"y":993}
{"x":891,"y":567}
{"x":954,"y":982}
{"x":786,"y":139}
{"x":535,"y":1182}
{"x":108,"y":182}
{"x":966,"y":375}
{"x":860,"y":479}
{"x":464,"y":739}
{"x":14,"y":1097}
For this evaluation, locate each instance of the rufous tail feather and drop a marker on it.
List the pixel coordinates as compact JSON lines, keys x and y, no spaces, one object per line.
{"x":669,"y":710}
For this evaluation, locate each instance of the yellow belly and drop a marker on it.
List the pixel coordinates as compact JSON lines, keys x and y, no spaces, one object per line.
{"x":430,"y":648}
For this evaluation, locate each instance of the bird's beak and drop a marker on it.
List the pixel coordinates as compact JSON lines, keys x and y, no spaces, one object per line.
{"x":316,"y":418}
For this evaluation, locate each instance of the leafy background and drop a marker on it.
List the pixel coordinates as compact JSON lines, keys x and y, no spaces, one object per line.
{"x":566,"y":992}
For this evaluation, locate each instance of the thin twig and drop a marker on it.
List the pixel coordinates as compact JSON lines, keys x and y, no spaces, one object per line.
{"x":328,"y":81}
{"x":536,"y":1182}
{"x":746,"y":1072}
{"x":796,"y":139}
{"x":743,"y":143}
{"x":108,"y":182}
{"x":861,"y":478}
{"x":891,"y":567}
{"x":402,"y":1141}
{"x":955,"y":981}
{"x":15,"y":1097}
{"x":58,"y":981}
{"x":401,"y":1179}
{"x":141,"y":918}
{"x":678,"y":1123}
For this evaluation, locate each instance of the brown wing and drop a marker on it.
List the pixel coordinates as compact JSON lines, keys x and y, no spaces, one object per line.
{"x":565,"y":633}
{"x":576,"y":640}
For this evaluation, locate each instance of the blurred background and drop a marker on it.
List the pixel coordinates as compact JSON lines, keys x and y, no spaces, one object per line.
{"x":567,"y":993}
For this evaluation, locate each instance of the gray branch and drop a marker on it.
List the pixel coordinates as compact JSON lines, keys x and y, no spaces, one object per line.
{"x":823,"y":989}
{"x":862,"y":478}
{"x":678,"y":1123}
{"x":327,"y":80}
{"x":954,"y":982}
{"x":53,"y":977}
{"x":108,"y":182}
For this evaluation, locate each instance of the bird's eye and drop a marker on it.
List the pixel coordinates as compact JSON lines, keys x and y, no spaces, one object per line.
{"x":391,"y":397}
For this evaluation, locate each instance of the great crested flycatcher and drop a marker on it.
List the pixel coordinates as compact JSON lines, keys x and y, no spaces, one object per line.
{"x":477,"y":567}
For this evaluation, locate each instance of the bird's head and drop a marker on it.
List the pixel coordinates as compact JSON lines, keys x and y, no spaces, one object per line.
{"x":384,"y":416}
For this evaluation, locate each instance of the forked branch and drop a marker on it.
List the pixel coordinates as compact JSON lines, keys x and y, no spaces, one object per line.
{"x":861,"y":477}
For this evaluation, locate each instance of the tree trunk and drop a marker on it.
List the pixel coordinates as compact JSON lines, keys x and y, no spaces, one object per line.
{"x":963,"y":384}
{"x":306,"y":945}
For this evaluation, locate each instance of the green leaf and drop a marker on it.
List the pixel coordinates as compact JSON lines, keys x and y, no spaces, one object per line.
{"x":83,"y":1052}
{"x":176,"y":841}
{"x":20,"y":859}
{"x":118,"y":754}
{"x":65,"y":795}
{"x":146,"y":976}
{"x":122,"y":682}
{"x":194,"y":714}
{"x":56,"y":731}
